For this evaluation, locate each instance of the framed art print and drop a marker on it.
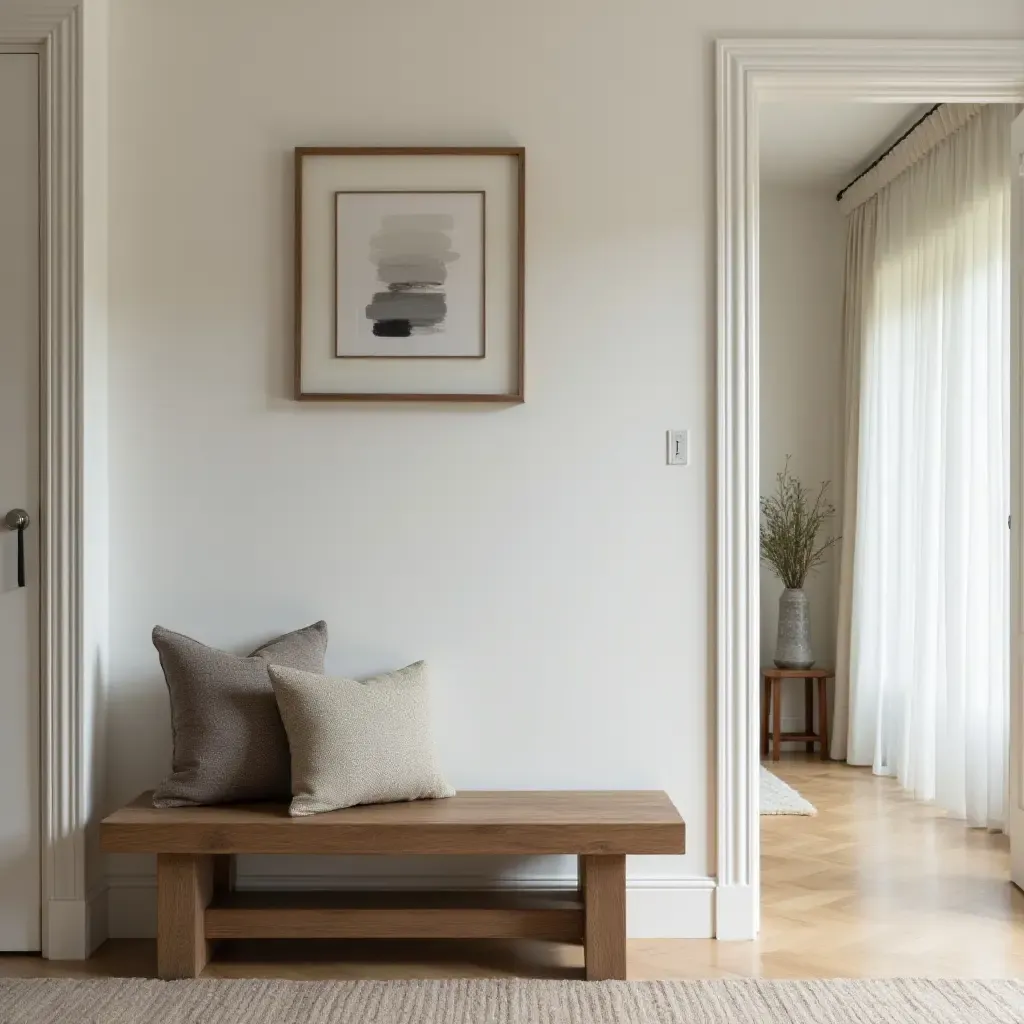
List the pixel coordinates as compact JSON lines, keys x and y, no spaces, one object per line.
{"x":409,"y":274}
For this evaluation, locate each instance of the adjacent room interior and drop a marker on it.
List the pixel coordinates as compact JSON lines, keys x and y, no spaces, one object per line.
{"x":885,"y":483}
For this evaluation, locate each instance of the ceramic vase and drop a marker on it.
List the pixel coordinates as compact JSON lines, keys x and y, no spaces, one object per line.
{"x":793,"y":647}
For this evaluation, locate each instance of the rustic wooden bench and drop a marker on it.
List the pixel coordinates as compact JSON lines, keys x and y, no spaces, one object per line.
{"x":197,"y":902}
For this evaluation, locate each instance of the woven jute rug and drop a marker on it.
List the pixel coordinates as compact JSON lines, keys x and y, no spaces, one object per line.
{"x":132,"y":1001}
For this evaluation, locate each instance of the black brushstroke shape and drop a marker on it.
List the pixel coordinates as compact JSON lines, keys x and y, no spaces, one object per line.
{"x":392,"y":328}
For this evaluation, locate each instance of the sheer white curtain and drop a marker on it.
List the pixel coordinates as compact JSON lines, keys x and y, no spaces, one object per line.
{"x":923,"y":659}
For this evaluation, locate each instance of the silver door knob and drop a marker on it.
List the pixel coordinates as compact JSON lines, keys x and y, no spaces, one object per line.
{"x":16,"y":519}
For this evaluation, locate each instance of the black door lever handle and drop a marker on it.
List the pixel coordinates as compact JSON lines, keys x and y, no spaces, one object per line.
{"x":17,"y":519}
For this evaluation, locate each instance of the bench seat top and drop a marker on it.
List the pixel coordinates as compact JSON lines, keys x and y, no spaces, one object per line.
{"x":474,"y":822}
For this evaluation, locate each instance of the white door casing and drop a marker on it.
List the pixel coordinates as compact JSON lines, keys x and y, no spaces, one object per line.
{"x":748,"y":73}
{"x":1015,"y":816}
{"x":20,"y":900}
{"x":54,"y":29}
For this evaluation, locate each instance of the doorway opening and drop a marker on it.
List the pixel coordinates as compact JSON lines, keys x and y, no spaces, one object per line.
{"x":752,"y":74}
{"x":884,"y":421}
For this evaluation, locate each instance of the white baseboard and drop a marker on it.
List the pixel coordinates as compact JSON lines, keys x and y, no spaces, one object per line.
{"x":736,"y":912}
{"x":670,"y":908}
{"x":656,"y":908}
{"x":75,"y":928}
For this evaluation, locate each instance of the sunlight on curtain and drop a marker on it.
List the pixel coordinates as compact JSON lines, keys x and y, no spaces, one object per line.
{"x":924,"y":650}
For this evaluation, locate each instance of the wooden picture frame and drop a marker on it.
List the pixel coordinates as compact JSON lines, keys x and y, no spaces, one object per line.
{"x":496,"y":374}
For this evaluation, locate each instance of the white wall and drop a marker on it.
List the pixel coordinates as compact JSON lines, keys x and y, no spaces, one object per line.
{"x":544,"y":558}
{"x":803,"y":246}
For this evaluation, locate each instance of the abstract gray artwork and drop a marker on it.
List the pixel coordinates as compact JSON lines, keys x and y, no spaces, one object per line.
{"x":410,"y":274}
{"x":412,"y":252}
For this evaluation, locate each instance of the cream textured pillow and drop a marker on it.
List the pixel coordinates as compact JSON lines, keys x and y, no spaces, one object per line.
{"x":358,"y":742}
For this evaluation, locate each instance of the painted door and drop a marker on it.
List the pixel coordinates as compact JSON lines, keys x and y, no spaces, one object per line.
{"x":19,"y":489}
{"x":1015,"y":818}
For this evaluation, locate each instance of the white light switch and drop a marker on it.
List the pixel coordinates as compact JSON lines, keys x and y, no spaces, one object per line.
{"x":678,"y":448}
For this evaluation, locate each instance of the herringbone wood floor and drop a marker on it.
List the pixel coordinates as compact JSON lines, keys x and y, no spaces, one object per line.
{"x":875,"y":885}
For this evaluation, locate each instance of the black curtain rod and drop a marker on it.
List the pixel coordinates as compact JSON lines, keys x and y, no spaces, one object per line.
{"x":874,"y":163}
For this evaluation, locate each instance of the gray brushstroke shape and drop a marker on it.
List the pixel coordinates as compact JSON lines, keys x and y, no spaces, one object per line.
{"x":411,"y":251}
{"x":411,"y":270}
{"x":392,"y":223}
{"x":421,"y":309}
{"x":401,"y":243}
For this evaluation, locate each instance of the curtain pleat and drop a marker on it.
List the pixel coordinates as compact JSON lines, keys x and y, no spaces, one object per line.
{"x":860,"y":248}
{"x":923,"y":635}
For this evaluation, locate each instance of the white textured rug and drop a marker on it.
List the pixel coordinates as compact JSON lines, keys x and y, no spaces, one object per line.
{"x":777,"y":797}
{"x":131,"y":1001}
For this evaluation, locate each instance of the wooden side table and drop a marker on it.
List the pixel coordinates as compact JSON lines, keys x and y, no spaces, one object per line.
{"x":771,"y":700}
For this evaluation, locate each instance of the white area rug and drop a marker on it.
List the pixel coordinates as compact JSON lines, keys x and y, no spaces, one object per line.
{"x":131,"y":1001}
{"x":777,"y":797}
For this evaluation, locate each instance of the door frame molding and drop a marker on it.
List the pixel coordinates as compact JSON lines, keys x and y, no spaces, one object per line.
{"x":748,"y":73}
{"x":55,"y":30}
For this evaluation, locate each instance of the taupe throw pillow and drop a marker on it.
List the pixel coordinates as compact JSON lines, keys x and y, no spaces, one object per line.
{"x":229,"y":743}
{"x":358,"y":742}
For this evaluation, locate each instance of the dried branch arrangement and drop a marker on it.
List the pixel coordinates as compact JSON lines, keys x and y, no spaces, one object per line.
{"x":790,"y":526}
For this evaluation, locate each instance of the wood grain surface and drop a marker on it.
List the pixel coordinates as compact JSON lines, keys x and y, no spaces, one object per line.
{"x":503,"y":822}
{"x":395,"y":915}
{"x":604,"y":898}
{"x":184,"y":888}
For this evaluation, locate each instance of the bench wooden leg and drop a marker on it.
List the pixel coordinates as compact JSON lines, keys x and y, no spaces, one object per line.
{"x":604,"y":921}
{"x":184,"y":889}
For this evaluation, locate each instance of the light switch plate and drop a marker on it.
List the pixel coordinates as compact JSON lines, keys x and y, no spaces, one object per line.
{"x":678,"y":448}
